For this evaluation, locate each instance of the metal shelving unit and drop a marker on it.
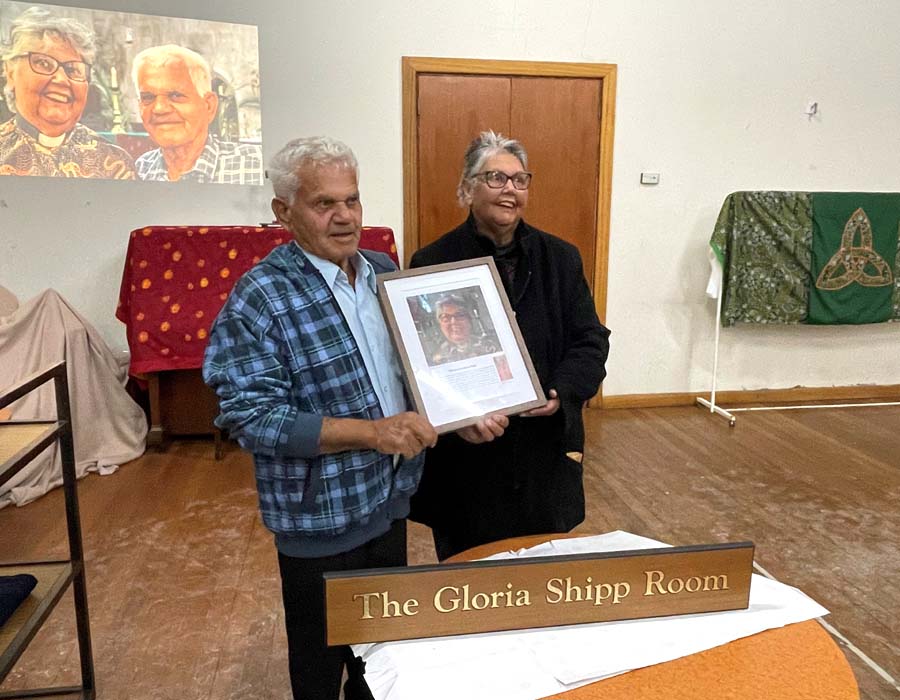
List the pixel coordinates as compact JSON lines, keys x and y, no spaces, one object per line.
{"x":20,"y":442}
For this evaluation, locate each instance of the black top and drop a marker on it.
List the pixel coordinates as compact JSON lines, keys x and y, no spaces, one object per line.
{"x":524,"y":482}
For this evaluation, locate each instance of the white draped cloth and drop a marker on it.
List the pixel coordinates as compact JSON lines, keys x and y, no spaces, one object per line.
{"x":535,"y":663}
{"x":109,"y":428}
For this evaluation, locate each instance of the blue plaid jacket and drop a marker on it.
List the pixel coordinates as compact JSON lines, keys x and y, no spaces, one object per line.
{"x":280,"y":348}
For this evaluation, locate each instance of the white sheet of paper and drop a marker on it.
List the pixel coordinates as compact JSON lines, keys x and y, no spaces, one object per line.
{"x":522,"y":665}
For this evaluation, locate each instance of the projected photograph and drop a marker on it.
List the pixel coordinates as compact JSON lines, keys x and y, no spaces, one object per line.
{"x":96,"y":94}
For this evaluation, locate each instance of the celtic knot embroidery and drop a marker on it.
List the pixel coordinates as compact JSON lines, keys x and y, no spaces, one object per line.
{"x":855,"y":263}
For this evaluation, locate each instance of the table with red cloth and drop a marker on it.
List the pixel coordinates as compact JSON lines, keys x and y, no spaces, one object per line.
{"x":175,"y":280}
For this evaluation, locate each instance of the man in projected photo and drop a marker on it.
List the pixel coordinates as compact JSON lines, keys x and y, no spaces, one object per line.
{"x":454,"y":318}
{"x":47,"y":67}
{"x":174,"y":86}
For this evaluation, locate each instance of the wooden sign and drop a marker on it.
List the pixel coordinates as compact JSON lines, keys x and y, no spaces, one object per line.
{"x":379,"y":605}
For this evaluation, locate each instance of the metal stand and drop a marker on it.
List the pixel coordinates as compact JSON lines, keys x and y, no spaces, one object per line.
{"x":729,"y":414}
{"x":711,"y":403}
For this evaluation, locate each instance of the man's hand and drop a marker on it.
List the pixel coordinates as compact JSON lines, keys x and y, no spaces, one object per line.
{"x":406,"y":434}
{"x":485,"y":430}
{"x":548,"y":409}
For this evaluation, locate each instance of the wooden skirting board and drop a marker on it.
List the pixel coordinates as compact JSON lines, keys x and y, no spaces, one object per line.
{"x":797,"y":394}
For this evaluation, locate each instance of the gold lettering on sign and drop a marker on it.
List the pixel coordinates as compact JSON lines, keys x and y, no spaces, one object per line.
{"x":855,"y":262}
{"x":657,"y":580}
{"x":596,"y":593}
{"x":467,"y":598}
{"x":388,"y":607}
{"x":451,"y":598}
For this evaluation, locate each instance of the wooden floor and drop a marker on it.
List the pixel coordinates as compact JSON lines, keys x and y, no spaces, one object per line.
{"x":182,"y":577}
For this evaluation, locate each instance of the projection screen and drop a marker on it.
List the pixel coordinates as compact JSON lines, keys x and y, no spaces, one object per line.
{"x":116,"y":95}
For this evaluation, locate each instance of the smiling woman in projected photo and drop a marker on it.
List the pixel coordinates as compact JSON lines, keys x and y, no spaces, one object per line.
{"x":47,"y":69}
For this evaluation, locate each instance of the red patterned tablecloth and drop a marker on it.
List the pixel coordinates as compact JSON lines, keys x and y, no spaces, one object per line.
{"x":176,"y":279}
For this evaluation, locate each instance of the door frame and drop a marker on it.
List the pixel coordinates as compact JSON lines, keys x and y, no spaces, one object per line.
{"x":412,"y":66}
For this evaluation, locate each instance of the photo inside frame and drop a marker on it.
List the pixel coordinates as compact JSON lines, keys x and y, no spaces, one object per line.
{"x":461,"y":351}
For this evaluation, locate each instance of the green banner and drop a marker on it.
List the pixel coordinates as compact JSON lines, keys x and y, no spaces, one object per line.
{"x":763,"y":241}
{"x":854,"y":248}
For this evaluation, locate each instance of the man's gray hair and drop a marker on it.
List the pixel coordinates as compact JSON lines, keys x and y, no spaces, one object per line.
{"x":36,"y":23}
{"x":485,"y":145}
{"x":158,"y":56}
{"x":315,"y":150}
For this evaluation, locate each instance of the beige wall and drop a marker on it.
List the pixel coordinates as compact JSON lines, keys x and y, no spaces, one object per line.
{"x":711,"y":95}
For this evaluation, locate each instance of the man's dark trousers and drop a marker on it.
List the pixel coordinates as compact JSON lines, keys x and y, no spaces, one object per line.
{"x":316,"y":668}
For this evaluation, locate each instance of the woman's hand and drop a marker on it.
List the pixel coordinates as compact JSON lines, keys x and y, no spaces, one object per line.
{"x":485,"y":430}
{"x":548,"y":409}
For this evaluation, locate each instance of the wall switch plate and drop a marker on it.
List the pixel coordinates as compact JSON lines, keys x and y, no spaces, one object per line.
{"x":649,"y":178}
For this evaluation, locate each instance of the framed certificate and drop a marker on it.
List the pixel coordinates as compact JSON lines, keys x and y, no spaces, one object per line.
{"x":459,"y":345}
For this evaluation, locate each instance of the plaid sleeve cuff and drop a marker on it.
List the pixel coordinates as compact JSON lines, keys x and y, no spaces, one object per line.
{"x":303,"y":439}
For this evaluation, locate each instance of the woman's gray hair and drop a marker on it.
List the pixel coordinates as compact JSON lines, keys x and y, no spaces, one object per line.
{"x":451,"y":300}
{"x":284,"y":167}
{"x":157,"y":56}
{"x":485,"y":145}
{"x":36,"y":23}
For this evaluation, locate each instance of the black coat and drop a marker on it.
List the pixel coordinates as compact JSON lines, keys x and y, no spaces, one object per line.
{"x":523,"y":482}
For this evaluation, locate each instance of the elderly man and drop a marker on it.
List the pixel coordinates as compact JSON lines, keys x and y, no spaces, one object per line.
{"x":308,"y":381}
{"x":174,"y":87}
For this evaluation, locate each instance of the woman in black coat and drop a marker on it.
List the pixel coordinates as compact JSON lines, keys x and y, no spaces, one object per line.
{"x":529,"y":480}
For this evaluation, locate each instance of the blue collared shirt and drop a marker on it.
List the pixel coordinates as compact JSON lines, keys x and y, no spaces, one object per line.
{"x":363,"y":314}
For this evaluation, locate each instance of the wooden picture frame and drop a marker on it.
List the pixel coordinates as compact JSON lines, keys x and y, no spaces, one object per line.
{"x":460,"y":348}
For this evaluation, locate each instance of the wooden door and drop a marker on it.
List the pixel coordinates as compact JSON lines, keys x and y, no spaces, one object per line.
{"x":556,"y":119}
{"x":452,"y":109}
{"x":558,"y":122}
{"x":562,"y":113}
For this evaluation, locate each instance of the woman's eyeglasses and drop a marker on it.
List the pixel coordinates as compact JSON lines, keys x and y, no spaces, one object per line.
{"x":496,"y":179}
{"x":459,"y":316}
{"x":42,"y":64}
